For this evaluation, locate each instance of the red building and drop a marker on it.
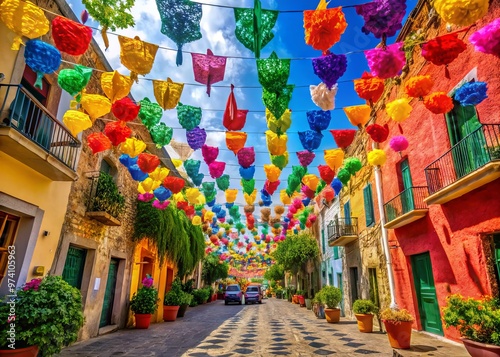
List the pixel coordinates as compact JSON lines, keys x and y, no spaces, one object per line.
{"x":442,"y":194}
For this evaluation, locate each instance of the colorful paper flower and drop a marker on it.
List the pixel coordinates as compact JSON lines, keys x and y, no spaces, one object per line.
{"x":167,"y":93}
{"x":343,"y":138}
{"x":125,"y":109}
{"x":471,"y":93}
{"x":369,"y":88}
{"x":487,"y":39}
{"x":386,"y":62}
{"x":326,"y":173}
{"x":132,"y":147}
{"x":208,"y":69}
{"x":443,"y":50}
{"x":115,"y":85}
{"x":209,"y":153}
{"x":377,"y":132}
{"x":196,"y":137}
{"x":98,"y":142}
{"x":161,"y":134}
{"x":246,"y":156}
{"x":398,"y":143}
{"x":235,"y":140}
{"x":74,"y":80}
{"x":419,"y":86}
{"x":310,"y":139}
{"x":438,"y":103}
{"x":70,"y":36}
{"x":358,"y":115}
{"x":399,"y":110}
{"x":353,"y":165}
{"x":150,"y":113}
{"x":76,"y":121}
{"x":42,"y":58}
{"x":305,"y":157}
{"x":383,"y":18}
{"x":174,"y":184}
{"x":318,"y":120}
{"x":376,"y":157}
{"x":216,"y":169}
{"x":117,"y":132}
{"x":329,"y":68}
{"x":334,"y":158}
{"x":323,"y":27}
{"x":148,"y":162}
{"x":461,"y":12}
{"x":322,"y":96}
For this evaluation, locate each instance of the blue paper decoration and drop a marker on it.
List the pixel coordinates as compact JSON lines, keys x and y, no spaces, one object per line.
{"x":41,"y":58}
{"x":216,"y":208}
{"x":306,"y":201}
{"x":265,"y":197}
{"x":471,"y":93}
{"x":319,"y":120}
{"x":137,"y":174}
{"x":128,"y":161}
{"x":221,"y":214}
{"x":162,"y":193}
{"x":229,"y":205}
{"x":247,"y":173}
{"x":211,"y":203}
{"x":336,"y":185}
{"x":310,"y":139}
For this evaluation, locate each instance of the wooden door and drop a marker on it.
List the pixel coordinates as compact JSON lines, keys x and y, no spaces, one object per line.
{"x":73,"y":267}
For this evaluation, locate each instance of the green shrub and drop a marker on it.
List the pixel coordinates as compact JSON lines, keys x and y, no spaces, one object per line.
{"x":396,"y":315}
{"x":364,"y":307}
{"x":318,"y":298}
{"x":201,"y":295}
{"x":331,"y":296}
{"x":177,"y":297}
{"x":145,"y":300}
{"x":107,"y":198}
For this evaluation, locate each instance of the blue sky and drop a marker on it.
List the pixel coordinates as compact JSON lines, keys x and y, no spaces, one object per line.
{"x":217,"y":27}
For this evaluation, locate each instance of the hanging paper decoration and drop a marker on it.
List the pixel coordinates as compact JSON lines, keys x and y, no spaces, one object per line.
{"x":132,"y":147}
{"x":95,"y":105}
{"x":246,"y":156}
{"x":305,"y":157}
{"x":70,"y":36}
{"x":353,"y":165}
{"x":137,"y":173}
{"x":398,"y":143}
{"x":182,"y":149}
{"x":161,"y":134}
{"x":285,"y":199}
{"x":125,"y":109}
{"x":148,"y":185}
{"x":280,"y":160}
{"x":443,"y":50}
{"x":376,"y":157}
{"x":326,"y":173}
{"x":343,"y":138}
{"x":272,"y":172}
{"x":216,"y":169}
{"x":276,"y":144}
{"x":250,"y":199}
{"x":247,"y":173}
{"x":322,"y":96}
{"x":223,"y":182}
{"x":310,"y":139}
{"x":487,"y":39}
{"x":329,"y":68}
{"x":208,"y":69}
{"x":281,"y":125}
{"x":265,"y":197}
{"x":438,"y":103}
{"x":254,"y":27}
{"x":386,"y":62}
{"x":399,"y":110}
{"x":148,"y":162}
{"x":196,"y":137}
{"x":115,"y":85}
{"x":273,"y":72}
{"x":358,"y":115}
{"x":192,"y":167}
{"x":369,"y":88}
{"x":311,"y":181}
{"x":471,"y":93}
{"x":189,"y":116}
{"x":76,"y":121}
{"x":231,"y":195}
{"x":174,"y":184}
{"x":159,"y":174}
{"x":383,"y":18}
{"x":235,"y":140}
{"x":209,"y":153}
{"x":73,"y":80}
{"x":167,"y":93}
{"x":419,"y":86}
{"x":150,"y":113}
{"x":98,"y":142}
{"x":318,"y":120}
{"x":334,"y":158}
{"x":248,"y":186}
{"x":42,"y":58}
{"x":460,"y":12}
{"x":162,"y":194}
{"x":377,"y":132}
{"x":344,"y":176}
{"x":24,"y":19}
{"x":180,"y":21}
{"x":277,"y":102}
{"x":336,"y":185}
{"x":234,"y":118}
{"x":117,"y":132}
{"x":271,"y":187}
{"x":127,"y":161}
{"x":299,"y":171}
{"x":323,"y":27}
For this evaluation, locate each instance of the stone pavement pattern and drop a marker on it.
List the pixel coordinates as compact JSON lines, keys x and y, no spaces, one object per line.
{"x":275,"y":328}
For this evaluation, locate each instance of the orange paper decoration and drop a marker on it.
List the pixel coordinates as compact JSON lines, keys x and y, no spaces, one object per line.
{"x":148,"y":162}
{"x":419,"y":86}
{"x":358,"y":115}
{"x":235,"y":140}
{"x":98,"y":142}
{"x":174,"y":184}
{"x":334,"y":158}
{"x":369,"y":88}
{"x":323,"y":27}
{"x":438,"y":103}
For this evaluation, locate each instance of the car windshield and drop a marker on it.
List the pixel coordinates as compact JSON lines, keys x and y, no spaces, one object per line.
{"x":233,"y":288}
{"x":253,"y":289}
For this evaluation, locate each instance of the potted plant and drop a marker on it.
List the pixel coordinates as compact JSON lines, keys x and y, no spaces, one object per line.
{"x":364,"y":310}
{"x":331,"y":297}
{"x":48,"y":316}
{"x":308,"y":302}
{"x":398,"y":326}
{"x":187,"y":288}
{"x":279,"y":293}
{"x":478,"y":321}
{"x":301,"y":298}
{"x":318,"y":307}
{"x":144,"y":303}
{"x":174,"y":298}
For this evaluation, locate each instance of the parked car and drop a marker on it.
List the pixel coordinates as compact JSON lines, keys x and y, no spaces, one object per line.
{"x":254,"y":294}
{"x":233,"y":294}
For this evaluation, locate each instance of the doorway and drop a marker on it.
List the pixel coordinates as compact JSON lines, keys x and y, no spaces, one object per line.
{"x":74,"y":266}
{"x":109,"y":294}
{"x":353,"y":272}
{"x":425,"y":290}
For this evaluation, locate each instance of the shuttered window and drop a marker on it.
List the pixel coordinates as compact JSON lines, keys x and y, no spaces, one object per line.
{"x":368,"y":199}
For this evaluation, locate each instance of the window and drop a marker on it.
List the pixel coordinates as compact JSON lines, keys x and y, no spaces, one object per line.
{"x":347,"y":212}
{"x":323,"y":240}
{"x":369,"y":211}
{"x":336,"y":252}
{"x":8,"y":229}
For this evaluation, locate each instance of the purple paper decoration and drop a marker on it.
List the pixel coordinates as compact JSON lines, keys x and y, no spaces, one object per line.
{"x":209,"y":153}
{"x":216,"y":169}
{"x":246,"y":156}
{"x":318,"y":119}
{"x":330,"y":68}
{"x":307,"y":191}
{"x":386,"y":63}
{"x":305,"y":157}
{"x":196,"y":138}
{"x":487,"y":39}
{"x":310,"y":139}
{"x":398,"y":143}
{"x":208,"y":69}
{"x":383,"y":18}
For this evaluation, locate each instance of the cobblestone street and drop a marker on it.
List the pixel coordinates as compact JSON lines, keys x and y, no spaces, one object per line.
{"x":275,"y":328}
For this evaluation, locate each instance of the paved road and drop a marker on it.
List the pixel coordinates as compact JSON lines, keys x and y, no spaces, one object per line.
{"x":275,"y":328}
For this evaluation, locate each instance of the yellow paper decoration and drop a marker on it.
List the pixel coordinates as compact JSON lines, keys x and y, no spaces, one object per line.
{"x":334,"y":158}
{"x":95,"y":105}
{"x":196,"y":221}
{"x":76,"y":121}
{"x":115,"y":85}
{"x":138,"y":56}
{"x":311,"y":181}
{"x":358,"y":115}
{"x":159,"y":173}
{"x":167,"y":93}
{"x":461,"y":12}
{"x":285,"y":199}
{"x":192,"y":195}
{"x":399,"y":109}
{"x":250,"y":199}
{"x":178,"y":197}
{"x":177,"y":163}
{"x":272,"y":172}
{"x":276,"y":144}
{"x":24,"y":19}
{"x":148,"y":185}
{"x":231,"y":194}
{"x":208,"y":216}
{"x":376,"y":157}
{"x":132,"y":147}
{"x":279,"y":125}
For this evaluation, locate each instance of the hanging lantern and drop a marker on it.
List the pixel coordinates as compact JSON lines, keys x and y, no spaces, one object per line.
{"x":95,"y":105}
{"x":471,"y":93}
{"x":216,"y":169}
{"x":76,"y":121}
{"x":329,"y":68}
{"x":117,"y":132}
{"x":174,"y":184}
{"x":378,"y":133}
{"x":115,"y":85}
{"x":167,"y":93}
{"x":443,"y":50}
{"x":398,"y":143}
{"x":334,"y":158}
{"x":98,"y":142}
{"x":323,"y":27}
{"x":382,"y":18}
{"x":318,"y":120}
{"x":487,"y":39}
{"x":376,"y":157}
{"x":132,"y":147}
{"x":75,"y":79}
{"x":305,"y":157}
{"x":235,"y":140}
{"x":189,"y":116}
{"x":137,"y":56}
{"x":208,"y":69}
{"x":369,"y":88}
{"x":70,"y":36}
{"x":438,"y":103}
{"x":196,"y":137}
{"x":323,"y":97}
{"x":271,"y":187}
{"x":42,"y":58}
{"x":419,"y":86}
{"x":358,"y":115}
{"x":326,"y":173}
{"x":343,"y":138}
{"x":280,"y":160}
{"x":24,"y":19}
{"x":277,"y":102}
{"x":353,"y":165}
{"x":161,"y":134}
{"x":399,"y":110}
{"x":125,"y":109}
{"x":272,"y":172}
{"x":386,"y":62}
{"x":234,"y":118}
{"x":310,"y":139}
{"x":461,"y":12}
{"x":273,"y":72}
{"x":276,"y":144}
{"x":246,"y":156}
{"x":149,"y":113}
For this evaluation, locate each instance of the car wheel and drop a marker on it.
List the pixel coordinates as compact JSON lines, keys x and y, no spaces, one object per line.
{"x":225,"y":302}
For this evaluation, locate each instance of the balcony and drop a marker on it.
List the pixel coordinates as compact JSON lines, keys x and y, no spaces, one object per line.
{"x":31,"y":135}
{"x":342,"y":231}
{"x":406,"y":207}
{"x":105,"y":203}
{"x":471,"y":163}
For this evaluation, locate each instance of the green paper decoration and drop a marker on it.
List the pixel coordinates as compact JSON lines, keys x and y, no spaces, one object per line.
{"x":210,"y":197}
{"x":344,"y":176}
{"x":273,"y":72}
{"x":189,"y":116}
{"x":223,"y":182}
{"x":192,"y":167}
{"x":279,"y":161}
{"x":208,"y":187}
{"x":161,"y":135}
{"x":150,"y":113}
{"x":74,"y":80}
{"x":353,"y":165}
{"x":248,"y":186}
{"x":180,"y":21}
{"x":299,"y":171}
{"x":234,"y":210}
{"x":293,"y":183}
{"x":254,"y":27}
{"x":320,"y":187}
{"x":239,"y":226}
{"x":277,"y":102}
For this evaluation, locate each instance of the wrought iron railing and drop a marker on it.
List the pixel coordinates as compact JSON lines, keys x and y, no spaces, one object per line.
{"x":470,"y":154}
{"x":104,"y":195}
{"x":408,"y":200}
{"x":20,"y":111}
{"x":342,"y":227}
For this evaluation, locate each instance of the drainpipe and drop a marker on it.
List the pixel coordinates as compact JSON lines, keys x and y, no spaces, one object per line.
{"x":385,"y":240}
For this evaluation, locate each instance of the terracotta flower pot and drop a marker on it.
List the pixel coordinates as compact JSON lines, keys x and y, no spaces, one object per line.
{"x":170,"y":312}
{"x":31,"y":351}
{"x":478,"y":349}
{"x":295,"y":299}
{"x":302,"y":301}
{"x":399,"y":333}
{"x":142,"y":321}
{"x":365,"y":322}
{"x":332,"y":315}
{"x":182,"y":310}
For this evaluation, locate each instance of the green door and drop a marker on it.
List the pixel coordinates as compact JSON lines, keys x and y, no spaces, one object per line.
{"x":426,"y":293}
{"x":73,"y":267}
{"x":109,"y":295}
{"x":496,"y":240}
{"x":407,"y":202}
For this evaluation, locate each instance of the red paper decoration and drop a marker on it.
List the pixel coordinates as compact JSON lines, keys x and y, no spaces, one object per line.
{"x":117,"y":132}
{"x":148,"y":162}
{"x":443,"y":50}
{"x":343,"y":138}
{"x":70,"y":36}
{"x":326,"y":173}
{"x":378,"y":133}
{"x":369,"y":88}
{"x":271,"y":187}
{"x":323,"y":27}
{"x":234,"y":118}
{"x":98,"y":142}
{"x":174,"y":184}
{"x":125,"y":109}
{"x":438,"y":103}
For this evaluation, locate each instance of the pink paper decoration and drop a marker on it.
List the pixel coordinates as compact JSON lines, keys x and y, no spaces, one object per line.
{"x":160,"y":205}
{"x":145,"y":197}
{"x":305,"y":157}
{"x":246,"y":157}
{"x":307,"y":191}
{"x":487,"y":39}
{"x":209,"y":153}
{"x":216,"y":169}
{"x":208,"y":69}
{"x":398,"y":143}
{"x":388,"y":62}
